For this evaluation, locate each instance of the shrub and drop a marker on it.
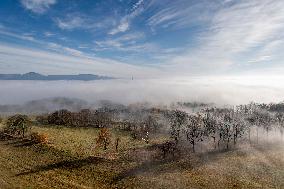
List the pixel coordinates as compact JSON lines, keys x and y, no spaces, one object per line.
{"x":39,"y":138}
{"x":60,"y":117}
{"x":18,"y":125}
{"x":42,"y":119}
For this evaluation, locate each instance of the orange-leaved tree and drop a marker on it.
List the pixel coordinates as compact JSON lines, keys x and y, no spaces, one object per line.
{"x":104,"y":138}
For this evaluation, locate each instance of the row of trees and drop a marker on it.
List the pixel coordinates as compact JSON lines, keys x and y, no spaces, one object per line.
{"x":222,"y":125}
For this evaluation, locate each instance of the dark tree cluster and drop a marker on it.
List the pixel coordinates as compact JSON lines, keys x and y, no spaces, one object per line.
{"x":84,"y":118}
{"x":17,"y":125}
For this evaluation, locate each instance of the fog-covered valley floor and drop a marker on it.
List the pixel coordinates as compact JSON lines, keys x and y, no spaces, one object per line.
{"x":218,"y":90}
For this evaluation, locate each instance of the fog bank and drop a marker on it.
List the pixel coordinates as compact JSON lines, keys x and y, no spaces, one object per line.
{"x":221,"y":90}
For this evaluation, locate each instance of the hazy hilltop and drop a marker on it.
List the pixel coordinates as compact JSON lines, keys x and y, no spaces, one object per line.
{"x":37,"y":76}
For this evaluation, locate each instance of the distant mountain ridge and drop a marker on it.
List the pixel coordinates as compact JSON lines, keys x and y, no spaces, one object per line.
{"x":37,"y":76}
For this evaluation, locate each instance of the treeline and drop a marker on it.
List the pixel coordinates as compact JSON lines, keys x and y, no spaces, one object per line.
{"x":219,"y":127}
{"x":222,"y":126}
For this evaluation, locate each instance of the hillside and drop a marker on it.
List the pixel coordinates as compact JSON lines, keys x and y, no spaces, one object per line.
{"x":37,"y":76}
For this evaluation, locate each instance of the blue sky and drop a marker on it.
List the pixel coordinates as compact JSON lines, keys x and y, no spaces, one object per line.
{"x":144,"y":38}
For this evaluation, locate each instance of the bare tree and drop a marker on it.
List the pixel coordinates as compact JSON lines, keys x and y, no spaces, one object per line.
{"x":194,"y":130}
{"x":177,"y":120}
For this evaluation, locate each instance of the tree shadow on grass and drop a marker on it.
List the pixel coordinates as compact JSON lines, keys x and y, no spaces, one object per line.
{"x":65,"y":164}
{"x":177,"y":163}
{"x":142,"y":168}
{"x":23,"y":143}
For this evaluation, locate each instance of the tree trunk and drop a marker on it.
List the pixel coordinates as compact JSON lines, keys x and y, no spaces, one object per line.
{"x":214,"y":142}
{"x":105,"y":145}
{"x":249,"y":134}
{"x":235,"y":139}
{"x":23,"y":133}
{"x":228,"y":140}
{"x":257,"y":135}
{"x":116,"y":144}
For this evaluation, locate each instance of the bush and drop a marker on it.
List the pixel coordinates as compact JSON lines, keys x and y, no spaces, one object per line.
{"x":61,"y":117}
{"x":18,"y":125}
{"x":39,"y":138}
{"x":42,"y":119}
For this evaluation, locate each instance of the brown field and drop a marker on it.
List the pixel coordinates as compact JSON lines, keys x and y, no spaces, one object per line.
{"x":70,"y":160}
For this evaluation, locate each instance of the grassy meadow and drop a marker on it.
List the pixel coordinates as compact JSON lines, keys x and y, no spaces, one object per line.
{"x":71,"y":160}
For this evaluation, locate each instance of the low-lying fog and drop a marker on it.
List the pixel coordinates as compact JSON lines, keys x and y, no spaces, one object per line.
{"x":219,"y":90}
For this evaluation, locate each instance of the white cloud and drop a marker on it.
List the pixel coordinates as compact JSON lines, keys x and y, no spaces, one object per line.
{"x":238,"y":33}
{"x":26,"y":60}
{"x":123,"y":42}
{"x":178,"y":14}
{"x":122,"y":27}
{"x":70,"y":23}
{"x":38,"y":6}
{"x":81,"y":21}
{"x":52,"y":46}
{"x":48,"y":34}
{"x":125,"y":22}
{"x":63,"y":49}
{"x":137,"y":4}
{"x":18,"y":36}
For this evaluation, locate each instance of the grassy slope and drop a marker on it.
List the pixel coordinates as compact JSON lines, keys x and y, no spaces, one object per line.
{"x":28,"y":166}
{"x":250,"y":168}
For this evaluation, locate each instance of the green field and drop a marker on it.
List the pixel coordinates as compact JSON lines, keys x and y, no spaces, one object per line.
{"x":70,"y":160}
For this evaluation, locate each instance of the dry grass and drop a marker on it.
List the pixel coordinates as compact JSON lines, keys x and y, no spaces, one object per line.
{"x":82,"y":141}
{"x":71,"y":162}
{"x":249,"y":168}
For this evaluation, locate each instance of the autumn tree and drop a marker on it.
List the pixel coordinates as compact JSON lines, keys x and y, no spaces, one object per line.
{"x":104,"y":138}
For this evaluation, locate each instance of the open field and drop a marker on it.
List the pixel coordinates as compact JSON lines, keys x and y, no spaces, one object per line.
{"x":70,"y":161}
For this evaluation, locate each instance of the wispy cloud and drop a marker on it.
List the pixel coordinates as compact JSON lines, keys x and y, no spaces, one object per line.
{"x":45,"y":44}
{"x":38,"y":60}
{"x":48,"y":34}
{"x":8,"y":33}
{"x":71,"y":23}
{"x":81,"y":21}
{"x":66,"y":50}
{"x":126,"y":42}
{"x":37,"y":6}
{"x":125,"y":22}
{"x":238,"y":33}
{"x":178,"y":14}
